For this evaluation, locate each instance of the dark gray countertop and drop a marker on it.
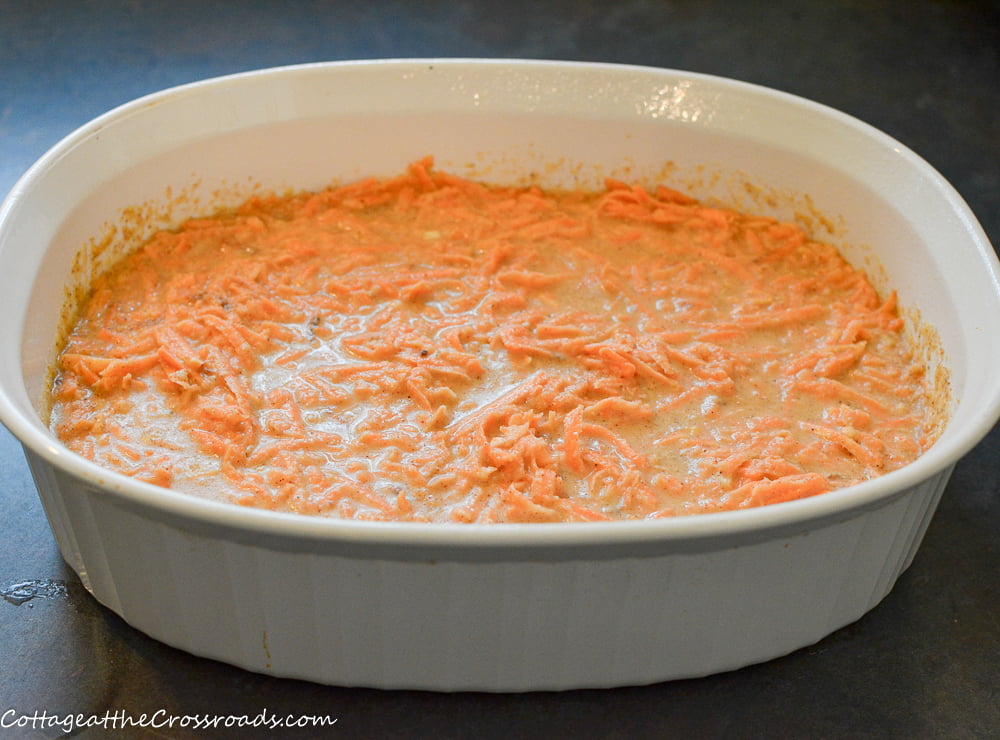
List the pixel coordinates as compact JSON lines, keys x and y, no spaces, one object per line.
{"x":924,"y":664}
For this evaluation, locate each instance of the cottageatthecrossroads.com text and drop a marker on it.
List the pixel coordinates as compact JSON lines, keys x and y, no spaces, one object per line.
{"x":160,"y":719}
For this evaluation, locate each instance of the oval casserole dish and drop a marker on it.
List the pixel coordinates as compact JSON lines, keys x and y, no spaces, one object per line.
{"x":490,"y":607}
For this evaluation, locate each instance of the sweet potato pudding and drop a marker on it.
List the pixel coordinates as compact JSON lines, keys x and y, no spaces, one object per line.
{"x":428,"y":348}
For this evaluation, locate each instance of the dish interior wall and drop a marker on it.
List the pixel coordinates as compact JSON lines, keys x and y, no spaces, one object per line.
{"x":221,"y":170}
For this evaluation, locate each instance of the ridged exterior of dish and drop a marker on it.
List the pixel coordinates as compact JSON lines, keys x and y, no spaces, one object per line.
{"x":508,"y":625}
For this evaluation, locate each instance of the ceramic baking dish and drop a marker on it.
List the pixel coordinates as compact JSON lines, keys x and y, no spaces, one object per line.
{"x":501,"y":607}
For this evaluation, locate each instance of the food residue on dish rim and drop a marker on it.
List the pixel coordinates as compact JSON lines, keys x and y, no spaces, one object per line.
{"x":429,"y":348}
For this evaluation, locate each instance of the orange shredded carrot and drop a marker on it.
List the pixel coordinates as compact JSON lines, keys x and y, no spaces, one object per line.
{"x":428,"y":348}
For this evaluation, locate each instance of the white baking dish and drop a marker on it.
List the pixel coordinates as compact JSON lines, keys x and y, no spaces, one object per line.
{"x":502,"y":607}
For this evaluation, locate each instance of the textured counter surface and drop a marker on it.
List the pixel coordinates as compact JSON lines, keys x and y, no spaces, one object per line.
{"x":924,"y":663}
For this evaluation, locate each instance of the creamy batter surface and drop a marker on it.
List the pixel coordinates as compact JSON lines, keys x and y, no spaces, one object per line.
{"x":431,"y":348}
